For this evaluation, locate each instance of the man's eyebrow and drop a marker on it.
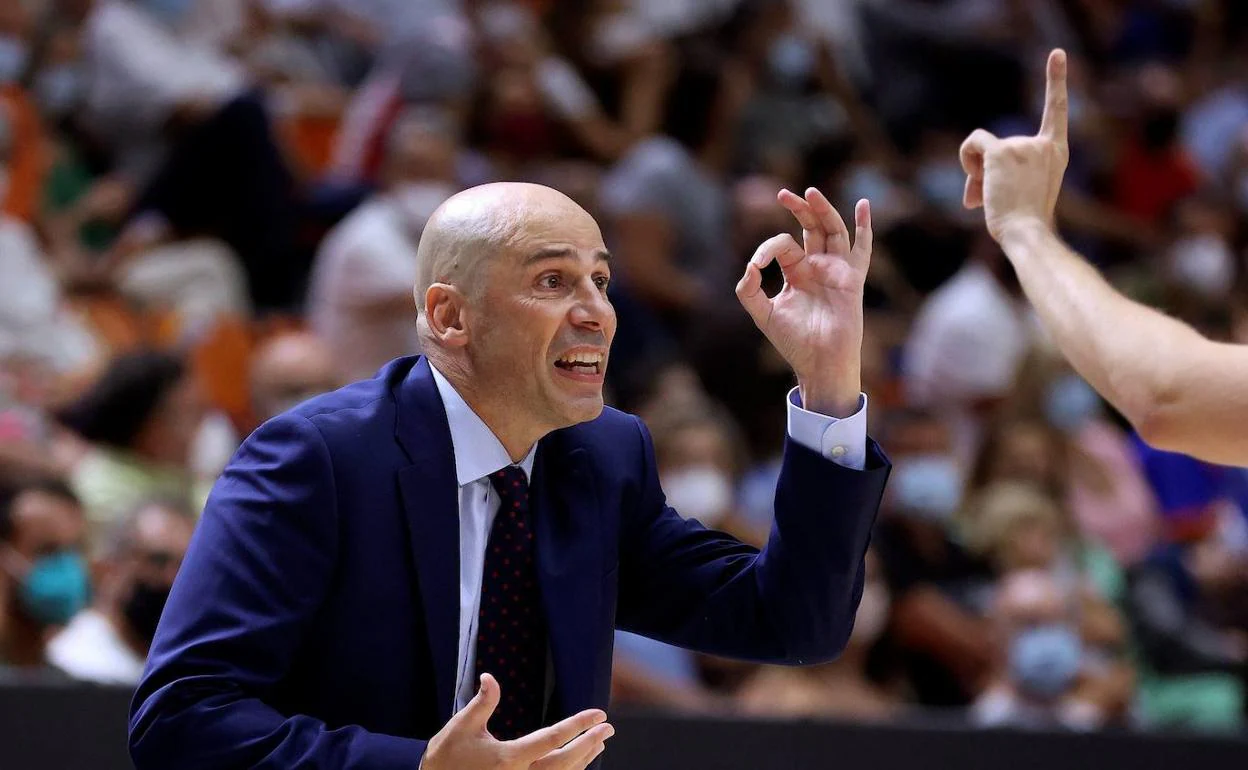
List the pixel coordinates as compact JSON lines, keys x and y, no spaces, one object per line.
{"x":562,"y":252}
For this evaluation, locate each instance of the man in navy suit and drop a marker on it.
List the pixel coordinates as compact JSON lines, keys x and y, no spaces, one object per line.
{"x":425,"y":569}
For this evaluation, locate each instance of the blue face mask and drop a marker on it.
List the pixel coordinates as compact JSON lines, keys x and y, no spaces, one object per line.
{"x":57,"y":89}
{"x":56,"y":587}
{"x":1070,"y":403}
{"x":792,"y":61}
{"x":171,"y":12}
{"x":13,"y":56}
{"x":927,"y":486}
{"x":1044,"y":660}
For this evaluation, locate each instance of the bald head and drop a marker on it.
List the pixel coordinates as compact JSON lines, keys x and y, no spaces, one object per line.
{"x":482,"y":222}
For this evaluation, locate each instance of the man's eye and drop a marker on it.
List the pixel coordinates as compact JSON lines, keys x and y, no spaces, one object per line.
{"x":550,"y":282}
{"x":602,"y":282}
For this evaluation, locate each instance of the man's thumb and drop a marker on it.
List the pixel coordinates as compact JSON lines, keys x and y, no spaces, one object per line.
{"x":481,"y":707}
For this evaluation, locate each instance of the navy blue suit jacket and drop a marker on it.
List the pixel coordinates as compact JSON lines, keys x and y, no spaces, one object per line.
{"x":315,"y":620}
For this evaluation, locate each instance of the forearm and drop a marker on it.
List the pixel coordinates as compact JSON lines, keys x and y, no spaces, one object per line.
{"x":1127,"y":351}
{"x":198,"y":730}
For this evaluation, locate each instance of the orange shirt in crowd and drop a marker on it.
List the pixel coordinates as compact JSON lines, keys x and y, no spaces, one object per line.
{"x":30,"y":159}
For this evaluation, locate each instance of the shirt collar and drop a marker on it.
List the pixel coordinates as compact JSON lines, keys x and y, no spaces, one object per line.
{"x":478,"y":452}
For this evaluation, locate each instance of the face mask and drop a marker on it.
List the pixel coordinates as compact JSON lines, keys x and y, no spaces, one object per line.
{"x":703,"y":493}
{"x":56,"y":588}
{"x":872,"y":614}
{"x":142,"y":610}
{"x":171,"y":12}
{"x":57,"y":89}
{"x":418,"y":200}
{"x":867,"y":181}
{"x":1070,"y":403}
{"x":13,"y":56}
{"x":792,"y":61}
{"x":1045,"y":660}
{"x":1203,"y":263}
{"x":927,"y":486}
{"x":941,"y":185}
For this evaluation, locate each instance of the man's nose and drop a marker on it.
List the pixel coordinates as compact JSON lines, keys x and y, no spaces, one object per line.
{"x":592,"y":309}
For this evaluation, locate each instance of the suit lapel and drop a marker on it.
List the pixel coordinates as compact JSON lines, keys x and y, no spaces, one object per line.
{"x":431,"y":503}
{"x":569,"y":558}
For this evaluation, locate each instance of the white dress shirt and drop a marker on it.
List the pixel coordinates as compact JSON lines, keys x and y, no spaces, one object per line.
{"x":478,"y":453}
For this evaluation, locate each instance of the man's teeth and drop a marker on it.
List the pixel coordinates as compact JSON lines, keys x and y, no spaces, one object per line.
{"x":588,"y":361}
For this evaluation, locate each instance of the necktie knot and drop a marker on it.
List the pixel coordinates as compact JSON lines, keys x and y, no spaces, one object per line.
{"x":510,"y":482}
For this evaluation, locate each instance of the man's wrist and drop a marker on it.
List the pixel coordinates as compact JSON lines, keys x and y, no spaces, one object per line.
{"x":1017,"y":234}
{"x":839,"y":400}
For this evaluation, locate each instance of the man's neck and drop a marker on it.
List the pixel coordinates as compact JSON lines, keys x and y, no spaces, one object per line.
{"x":502,"y":420}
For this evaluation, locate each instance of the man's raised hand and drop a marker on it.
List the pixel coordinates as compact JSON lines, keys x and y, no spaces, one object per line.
{"x":465,"y":742}
{"x":1017,"y":180}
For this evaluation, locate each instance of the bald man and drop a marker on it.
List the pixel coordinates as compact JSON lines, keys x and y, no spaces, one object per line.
{"x":426,"y":569}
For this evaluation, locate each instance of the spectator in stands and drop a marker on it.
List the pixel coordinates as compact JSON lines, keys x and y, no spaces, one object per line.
{"x":34,"y":319}
{"x":289,"y":369}
{"x":969,"y":338}
{"x":44,"y":579}
{"x":360,"y":300}
{"x":139,"y":420}
{"x":1045,"y":680}
{"x":666,"y":201}
{"x":107,"y":643}
{"x":940,"y":590}
{"x":179,"y":118}
{"x":1106,"y":490}
{"x":1032,"y":454}
{"x":840,"y":689}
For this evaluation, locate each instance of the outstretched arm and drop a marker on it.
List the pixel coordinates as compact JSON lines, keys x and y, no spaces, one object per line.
{"x":1182,"y":392}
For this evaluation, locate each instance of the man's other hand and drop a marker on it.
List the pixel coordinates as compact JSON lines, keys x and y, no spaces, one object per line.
{"x":1017,"y":180}
{"x":466,"y":744}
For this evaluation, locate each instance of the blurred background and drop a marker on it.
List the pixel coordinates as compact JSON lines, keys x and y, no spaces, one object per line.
{"x":210,"y":212}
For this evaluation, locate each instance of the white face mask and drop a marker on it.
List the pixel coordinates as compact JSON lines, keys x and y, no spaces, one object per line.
{"x":872,"y":614}
{"x":1203,"y":263}
{"x":418,"y":200}
{"x":701,"y":492}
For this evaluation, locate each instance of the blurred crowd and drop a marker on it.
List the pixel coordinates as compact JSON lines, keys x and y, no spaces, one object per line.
{"x":210,"y":211}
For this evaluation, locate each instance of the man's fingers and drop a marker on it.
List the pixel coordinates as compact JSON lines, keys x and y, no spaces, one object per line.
{"x":578,"y":754}
{"x":972,"y":151}
{"x":971,"y":154}
{"x":479,"y":710}
{"x":813,"y":234}
{"x":1053,"y":122}
{"x":863,"y":235}
{"x":538,"y":744}
{"x":973,"y":194}
{"x":830,"y":219}
{"x":753,"y":298}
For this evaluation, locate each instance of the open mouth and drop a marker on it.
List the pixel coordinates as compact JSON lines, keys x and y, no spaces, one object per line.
{"x":581,"y":363}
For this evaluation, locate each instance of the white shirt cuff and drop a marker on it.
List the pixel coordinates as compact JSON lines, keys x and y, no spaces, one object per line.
{"x":843,"y":441}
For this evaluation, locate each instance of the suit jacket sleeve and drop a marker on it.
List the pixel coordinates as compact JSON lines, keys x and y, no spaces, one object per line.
{"x":792,"y":603}
{"x":258,"y":568}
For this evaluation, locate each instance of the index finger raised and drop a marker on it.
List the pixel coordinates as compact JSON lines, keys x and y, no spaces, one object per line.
{"x":539,"y":743}
{"x":1053,"y":122}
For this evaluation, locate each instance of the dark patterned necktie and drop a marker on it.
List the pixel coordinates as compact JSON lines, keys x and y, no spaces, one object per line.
{"x":511,"y":635}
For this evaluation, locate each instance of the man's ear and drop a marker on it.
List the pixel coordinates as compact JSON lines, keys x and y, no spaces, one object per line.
{"x":445,"y":311}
